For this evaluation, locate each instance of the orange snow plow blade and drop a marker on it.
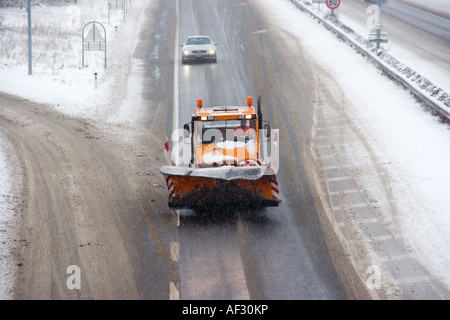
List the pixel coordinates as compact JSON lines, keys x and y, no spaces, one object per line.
{"x":235,"y":187}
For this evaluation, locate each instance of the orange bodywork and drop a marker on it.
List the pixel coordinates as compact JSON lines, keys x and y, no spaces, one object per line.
{"x":238,"y":151}
{"x":221,"y":149}
{"x":194,"y":192}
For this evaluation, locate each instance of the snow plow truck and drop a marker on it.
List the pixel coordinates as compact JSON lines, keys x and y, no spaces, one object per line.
{"x":227,"y":156}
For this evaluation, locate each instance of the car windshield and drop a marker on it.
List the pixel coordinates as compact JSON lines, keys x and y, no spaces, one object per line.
{"x":202,"y":40}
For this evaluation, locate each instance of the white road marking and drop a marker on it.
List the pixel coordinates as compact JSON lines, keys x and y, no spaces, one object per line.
{"x":174,"y":293}
{"x":261,"y":31}
{"x":387,"y":237}
{"x":397,"y":257}
{"x":174,"y":251}
{"x":343,"y":178}
{"x":175,"y":84}
{"x":343,"y":192}
{"x":410,"y":280}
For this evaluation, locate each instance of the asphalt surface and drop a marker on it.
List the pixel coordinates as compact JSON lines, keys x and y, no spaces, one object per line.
{"x":421,"y":19}
{"x":279,"y":253}
{"x":85,"y":202}
{"x":93,"y":195}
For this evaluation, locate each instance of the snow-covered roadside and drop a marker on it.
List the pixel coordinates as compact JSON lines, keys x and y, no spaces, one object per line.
{"x":10,"y":183}
{"x":412,"y":145}
{"x":58,"y":80}
{"x":406,"y":65}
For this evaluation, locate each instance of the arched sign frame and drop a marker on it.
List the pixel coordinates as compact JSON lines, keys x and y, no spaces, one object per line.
{"x":95,"y":40}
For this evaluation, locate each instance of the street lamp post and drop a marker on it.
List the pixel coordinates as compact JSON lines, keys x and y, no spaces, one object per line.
{"x":30,"y":64}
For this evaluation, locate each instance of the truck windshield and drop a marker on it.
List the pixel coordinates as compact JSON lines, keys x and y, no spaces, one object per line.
{"x":221,"y":130}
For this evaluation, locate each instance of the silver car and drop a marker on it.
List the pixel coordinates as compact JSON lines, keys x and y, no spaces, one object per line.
{"x":198,"y":48}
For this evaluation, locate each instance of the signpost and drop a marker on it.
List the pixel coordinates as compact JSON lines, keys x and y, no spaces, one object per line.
{"x":333,"y":4}
{"x":377,"y":35}
{"x":30,"y":51}
{"x":318,"y":4}
{"x":117,"y":5}
{"x":94,"y":38}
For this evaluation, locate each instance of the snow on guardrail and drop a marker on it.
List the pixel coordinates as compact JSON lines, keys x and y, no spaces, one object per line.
{"x":435,"y":98}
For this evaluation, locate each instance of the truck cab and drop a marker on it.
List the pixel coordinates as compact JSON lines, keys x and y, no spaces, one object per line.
{"x":225,"y":135}
{"x":232,"y":161}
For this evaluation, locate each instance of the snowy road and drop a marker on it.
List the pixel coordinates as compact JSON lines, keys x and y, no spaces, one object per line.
{"x":403,"y":147}
{"x":378,"y":162}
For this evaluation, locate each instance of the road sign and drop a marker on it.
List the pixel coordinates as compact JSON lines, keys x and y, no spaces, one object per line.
{"x":94,"y":39}
{"x":381,"y":37}
{"x":333,"y":4}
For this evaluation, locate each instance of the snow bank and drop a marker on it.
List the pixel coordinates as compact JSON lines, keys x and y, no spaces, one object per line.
{"x":412,"y":145}
{"x":435,"y":96}
{"x":10,"y":184}
{"x":59,"y":77}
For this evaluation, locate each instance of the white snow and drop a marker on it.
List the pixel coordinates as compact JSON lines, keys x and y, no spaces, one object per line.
{"x":58,"y":80}
{"x":7,"y":220}
{"x":414,"y":144}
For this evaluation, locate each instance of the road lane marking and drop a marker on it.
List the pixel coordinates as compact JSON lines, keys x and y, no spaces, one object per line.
{"x":261,"y":31}
{"x":174,"y":293}
{"x":176,"y":91}
{"x":248,"y":266}
{"x":387,"y":237}
{"x":175,"y":76}
{"x":349,"y":178}
{"x":175,"y":251}
{"x":337,"y":167}
{"x":343,"y":192}
{"x":396,"y":257}
{"x":410,"y":280}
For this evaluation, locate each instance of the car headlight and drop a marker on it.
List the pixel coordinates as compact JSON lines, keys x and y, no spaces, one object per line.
{"x":186,"y":52}
{"x":211,"y":51}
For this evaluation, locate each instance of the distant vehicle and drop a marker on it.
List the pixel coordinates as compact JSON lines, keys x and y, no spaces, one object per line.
{"x":198,"y":48}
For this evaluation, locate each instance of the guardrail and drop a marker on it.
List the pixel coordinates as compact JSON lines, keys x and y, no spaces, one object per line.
{"x":363,"y":47}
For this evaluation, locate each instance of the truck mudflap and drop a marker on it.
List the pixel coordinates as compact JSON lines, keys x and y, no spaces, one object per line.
{"x":236,"y":187}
